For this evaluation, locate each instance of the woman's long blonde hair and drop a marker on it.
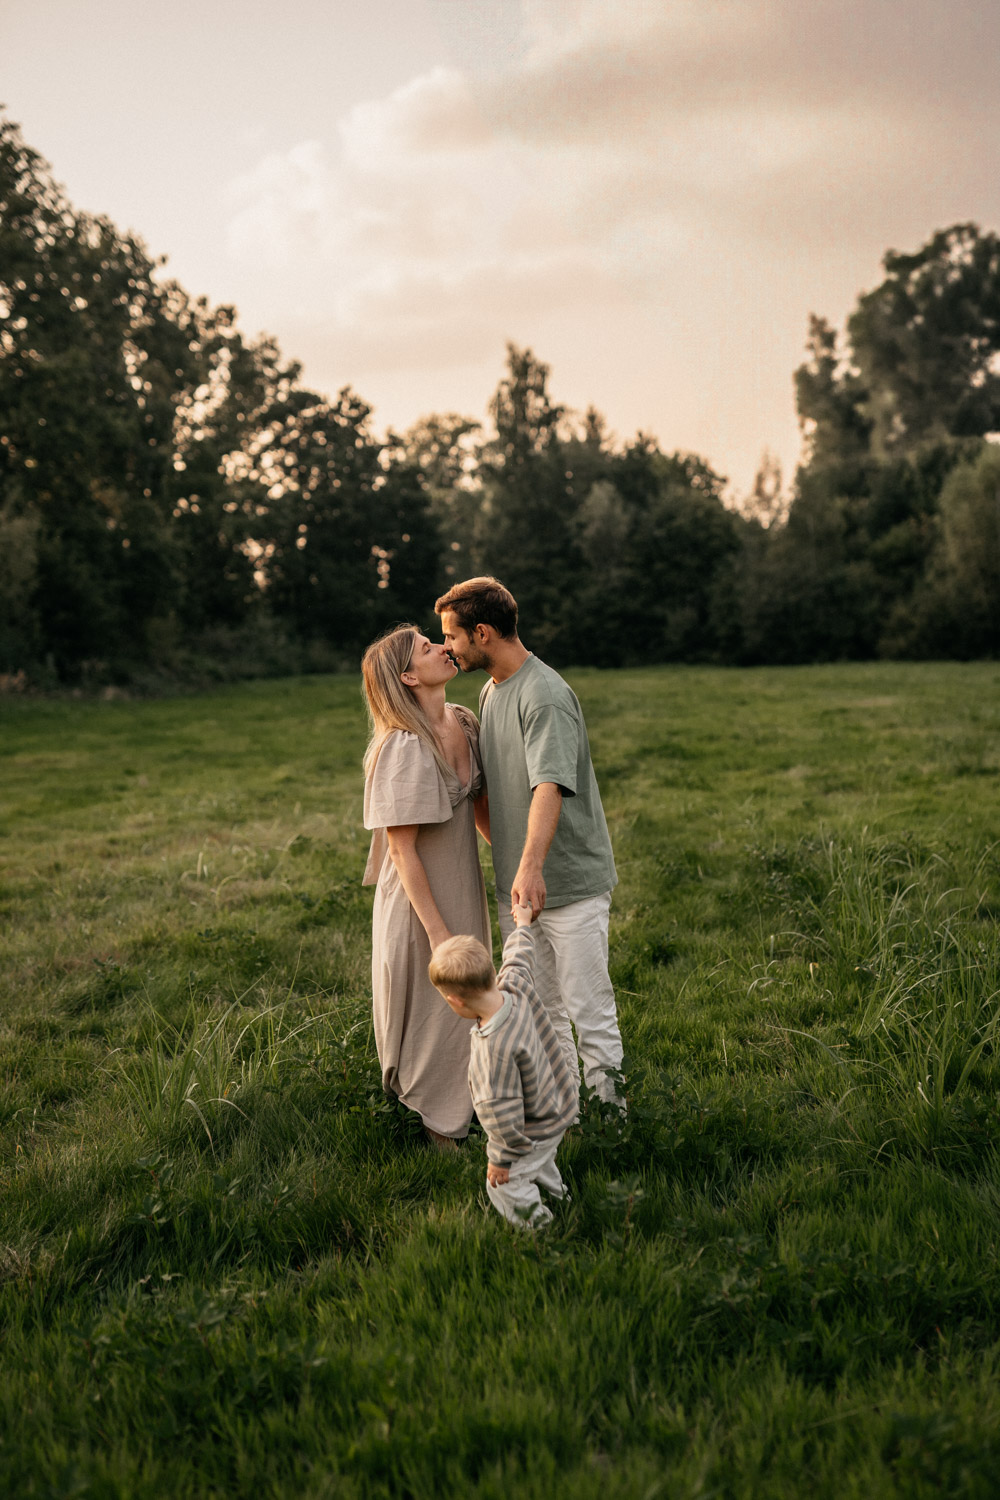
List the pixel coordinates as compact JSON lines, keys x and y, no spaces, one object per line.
{"x":391,"y":705}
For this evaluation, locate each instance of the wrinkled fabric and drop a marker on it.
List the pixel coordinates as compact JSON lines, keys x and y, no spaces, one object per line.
{"x":532,"y":732}
{"x":423,"y":1047}
{"x":405,"y":786}
{"x":524,"y":1087}
{"x":518,"y":1199}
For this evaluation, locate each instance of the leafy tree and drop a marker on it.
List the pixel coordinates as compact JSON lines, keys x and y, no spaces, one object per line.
{"x":443,"y":448}
{"x":966,"y":564}
{"x":680,"y":542}
{"x":215,"y":503}
{"x":922,"y":362}
{"x":20,"y":628}
{"x":886,"y":420}
{"x":655,"y":539}
{"x":957,"y":611}
{"x":346,"y":542}
{"x":529,"y":513}
{"x":95,"y":355}
{"x":766,"y":503}
{"x":926,"y":342}
{"x":317,"y":463}
{"x":407,"y":539}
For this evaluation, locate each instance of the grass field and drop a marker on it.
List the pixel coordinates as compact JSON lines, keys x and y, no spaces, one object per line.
{"x":230,"y":1268}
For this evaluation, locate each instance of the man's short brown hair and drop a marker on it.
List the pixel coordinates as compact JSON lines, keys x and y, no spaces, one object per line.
{"x":461,"y":966}
{"x":481,"y":601}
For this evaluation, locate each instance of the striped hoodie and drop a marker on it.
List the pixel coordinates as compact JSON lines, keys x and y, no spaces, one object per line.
{"x":521,"y":1083}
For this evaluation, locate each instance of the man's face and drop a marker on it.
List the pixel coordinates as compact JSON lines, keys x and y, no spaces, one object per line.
{"x":467,"y":651}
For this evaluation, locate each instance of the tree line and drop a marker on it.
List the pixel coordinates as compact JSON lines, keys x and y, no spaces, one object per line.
{"x":176,"y":503}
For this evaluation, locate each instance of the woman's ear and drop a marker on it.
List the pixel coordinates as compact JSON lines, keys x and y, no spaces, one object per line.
{"x":408,"y":679}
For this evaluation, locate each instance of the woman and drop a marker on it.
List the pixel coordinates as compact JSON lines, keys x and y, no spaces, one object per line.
{"x":424,"y":798}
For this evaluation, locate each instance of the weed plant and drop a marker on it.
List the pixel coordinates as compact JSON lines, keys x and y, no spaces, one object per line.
{"x":230,"y":1267}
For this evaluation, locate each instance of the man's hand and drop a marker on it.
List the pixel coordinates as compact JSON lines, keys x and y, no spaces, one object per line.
{"x":528,"y":888}
{"x":497,"y":1176}
{"x":523,"y":914}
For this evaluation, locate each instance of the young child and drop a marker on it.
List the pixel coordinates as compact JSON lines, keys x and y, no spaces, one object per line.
{"x":522,"y":1087}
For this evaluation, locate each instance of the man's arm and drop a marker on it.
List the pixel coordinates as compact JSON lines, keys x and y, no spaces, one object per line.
{"x":528,"y":887}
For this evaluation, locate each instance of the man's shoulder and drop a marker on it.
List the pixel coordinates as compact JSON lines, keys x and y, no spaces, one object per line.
{"x":541,"y":686}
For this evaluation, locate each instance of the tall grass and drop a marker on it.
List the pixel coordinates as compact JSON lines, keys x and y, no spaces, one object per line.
{"x":230,"y":1266}
{"x":893,"y":938}
{"x":208,"y":1067}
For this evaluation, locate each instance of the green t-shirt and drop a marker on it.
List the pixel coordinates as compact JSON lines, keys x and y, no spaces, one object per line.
{"x":532,"y":730}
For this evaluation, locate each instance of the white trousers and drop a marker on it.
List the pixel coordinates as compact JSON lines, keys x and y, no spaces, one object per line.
{"x":519,"y":1199}
{"x":571,"y":977}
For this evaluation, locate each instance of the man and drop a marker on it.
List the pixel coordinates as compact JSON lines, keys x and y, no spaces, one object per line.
{"x":550,"y":840}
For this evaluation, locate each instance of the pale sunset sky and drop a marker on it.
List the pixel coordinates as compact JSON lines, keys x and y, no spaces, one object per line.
{"x":651,"y":194}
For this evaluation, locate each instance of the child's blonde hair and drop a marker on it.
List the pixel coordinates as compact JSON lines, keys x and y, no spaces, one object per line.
{"x":461,"y":966}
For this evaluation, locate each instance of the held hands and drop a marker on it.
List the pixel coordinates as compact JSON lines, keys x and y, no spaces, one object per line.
{"x":497,"y":1176}
{"x":528,"y":887}
{"x":522,"y":914}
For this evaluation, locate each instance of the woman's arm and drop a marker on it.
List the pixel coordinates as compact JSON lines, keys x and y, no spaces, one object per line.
{"x":413,"y":877}
{"x":482,"y":807}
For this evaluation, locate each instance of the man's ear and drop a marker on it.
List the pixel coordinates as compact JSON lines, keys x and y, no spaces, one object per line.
{"x":482,"y":634}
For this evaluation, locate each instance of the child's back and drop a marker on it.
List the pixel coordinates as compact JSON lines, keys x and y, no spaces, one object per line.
{"x":519,"y":1076}
{"x":524,"y":1088}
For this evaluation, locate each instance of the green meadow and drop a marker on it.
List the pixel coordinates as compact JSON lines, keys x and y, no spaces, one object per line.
{"x":231,"y":1268}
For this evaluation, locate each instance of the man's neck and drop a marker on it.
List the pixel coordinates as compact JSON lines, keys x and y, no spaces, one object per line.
{"x":508,"y":657}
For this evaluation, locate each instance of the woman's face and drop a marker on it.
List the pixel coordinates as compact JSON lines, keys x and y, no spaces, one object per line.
{"x":430,"y":665}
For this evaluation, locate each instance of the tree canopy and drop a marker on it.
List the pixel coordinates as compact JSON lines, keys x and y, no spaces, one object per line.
{"x":174,"y":501}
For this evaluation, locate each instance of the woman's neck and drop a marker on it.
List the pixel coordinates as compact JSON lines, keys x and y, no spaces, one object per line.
{"x":434,"y":704}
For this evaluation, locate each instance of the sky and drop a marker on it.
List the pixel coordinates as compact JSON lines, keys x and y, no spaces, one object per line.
{"x":652,"y":195}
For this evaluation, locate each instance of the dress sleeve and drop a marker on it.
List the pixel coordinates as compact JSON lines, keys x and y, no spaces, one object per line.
{"x":405,"y":785}
{"x":470,"y":725}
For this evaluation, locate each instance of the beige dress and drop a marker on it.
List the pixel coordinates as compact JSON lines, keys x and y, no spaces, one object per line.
{"x":422,"y":1045}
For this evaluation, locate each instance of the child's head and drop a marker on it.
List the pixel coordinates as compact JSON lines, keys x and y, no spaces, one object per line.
{"x":461,"y":970}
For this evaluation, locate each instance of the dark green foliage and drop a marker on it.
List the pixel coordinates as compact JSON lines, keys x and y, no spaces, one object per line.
{"x":926,"y":342}
{"x":869,"y":561}
{"x":168,"y":493}
{"x":175,"y":506}
{"x":959,"y":606}
{"x":529,"y":528}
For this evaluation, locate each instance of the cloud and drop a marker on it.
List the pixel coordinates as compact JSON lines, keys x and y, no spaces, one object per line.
{"x":435,"y":112}
{"x":638,"y":59}
{"x":285,"y":206}
{"x":604,"y":156}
